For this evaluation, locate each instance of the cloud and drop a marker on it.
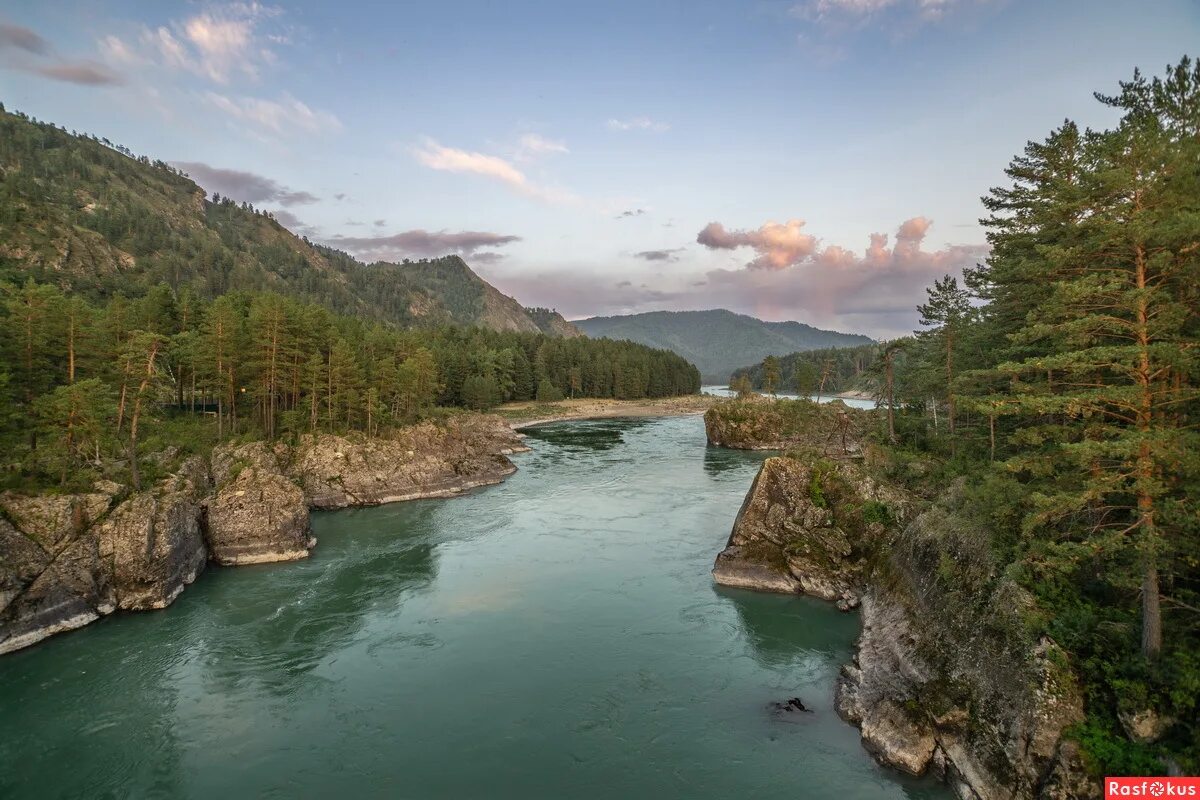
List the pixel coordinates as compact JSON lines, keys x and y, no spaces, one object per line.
{"x":290,"y":221}
{"x":448,"y":159}
{"x":422,"y":244}
{"x":778,"y":245}
{"x":219,"y":43}
{"x":31,"y":53}
{"x":850,"y":14}
{"x":793,"y":277}
{"x":83,"y":73}
{"x":638,"y":124}
{"x":281,"y":116}
{"x":531,"y":145}
{"x":244,"y":186}
{"x":632,"y":212}
{"x":659,"y":255}
{"x":575,"y":292}
{"x":22,"y":38}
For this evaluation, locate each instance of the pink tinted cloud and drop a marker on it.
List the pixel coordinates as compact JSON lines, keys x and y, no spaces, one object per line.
{"x":778,"y":245}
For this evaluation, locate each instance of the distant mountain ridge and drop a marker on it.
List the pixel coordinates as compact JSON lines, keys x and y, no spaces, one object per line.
{"x":717,"y":341}
{"x":87,"y":215}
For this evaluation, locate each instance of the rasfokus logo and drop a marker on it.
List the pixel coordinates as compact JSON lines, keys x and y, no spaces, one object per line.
{"x":1152,"y":788}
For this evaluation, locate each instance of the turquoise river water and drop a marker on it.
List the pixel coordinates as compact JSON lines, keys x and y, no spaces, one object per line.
{"x":556,"y":636}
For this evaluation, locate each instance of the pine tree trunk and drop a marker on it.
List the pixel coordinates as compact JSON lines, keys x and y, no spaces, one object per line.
{"x":1151,"y":613}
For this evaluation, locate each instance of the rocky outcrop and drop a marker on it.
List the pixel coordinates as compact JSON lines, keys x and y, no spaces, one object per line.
{"x":67,"y":560}
{"x":947,"y":677}
{"x":257,"y":513}
{"x":152,"y":544}
{"x":787,"y":536}
{"x":260,"y":509}
{"x":70,"y":559}
{"x":762,"y":423}
{"x":425,"y":460}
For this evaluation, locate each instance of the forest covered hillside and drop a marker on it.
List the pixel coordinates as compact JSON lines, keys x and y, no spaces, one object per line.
{"x":90,"y":217}
{"x":716,"y":341}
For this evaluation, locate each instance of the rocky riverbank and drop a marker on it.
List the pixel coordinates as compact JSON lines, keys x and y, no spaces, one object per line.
{"x":766,"y":423}
{"x":67,"y":560}
{"x":948,"y":676}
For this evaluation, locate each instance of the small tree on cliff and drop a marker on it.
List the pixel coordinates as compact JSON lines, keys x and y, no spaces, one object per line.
{"x":770,"y":367}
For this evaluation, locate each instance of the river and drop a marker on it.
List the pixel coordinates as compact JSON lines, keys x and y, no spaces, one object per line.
{"x":555,"y":636}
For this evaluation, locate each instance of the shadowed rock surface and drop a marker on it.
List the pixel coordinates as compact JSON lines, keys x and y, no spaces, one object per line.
{"x":947,"y":677}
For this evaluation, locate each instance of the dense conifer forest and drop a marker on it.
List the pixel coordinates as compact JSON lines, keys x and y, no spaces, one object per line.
{"x":1060,"y":388}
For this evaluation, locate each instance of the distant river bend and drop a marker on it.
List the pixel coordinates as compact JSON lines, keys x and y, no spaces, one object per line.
{"x":557,"y":635}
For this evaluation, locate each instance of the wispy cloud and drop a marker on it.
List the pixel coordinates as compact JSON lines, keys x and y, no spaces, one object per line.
{"x":532,"y":145}
{"x":422,"y":243}
{"x":893,"y":15}
{"x":219,"y":43}
{"x":241,"y":185}
{"x":282,"y":116}
{"x":25,"y":50}
{"x":638,"y":124}
{"x":449,"y":159}
{"x":659,"y":255}
{"x":83,"y":73}
{"x":22,"y":38}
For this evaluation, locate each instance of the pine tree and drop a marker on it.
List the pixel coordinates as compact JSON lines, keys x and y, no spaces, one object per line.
{"x":946,"y":313}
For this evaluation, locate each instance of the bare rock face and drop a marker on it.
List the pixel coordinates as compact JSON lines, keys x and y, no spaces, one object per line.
{"x":946,"y":677}
{"x":70,"y":559}
{"x":425,"y":460}
{"x":786,"y":537}
{"x":153,"y":542}
{"x":257,"y":513}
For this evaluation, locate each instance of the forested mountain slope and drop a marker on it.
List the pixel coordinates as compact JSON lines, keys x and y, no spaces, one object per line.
{"x":717,"y":341}
{"x":88,"y":216}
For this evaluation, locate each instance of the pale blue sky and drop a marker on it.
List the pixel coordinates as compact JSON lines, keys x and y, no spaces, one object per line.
{"x":457,"y":126}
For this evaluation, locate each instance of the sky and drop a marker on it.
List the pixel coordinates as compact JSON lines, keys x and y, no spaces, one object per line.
{"x":815,"y":160}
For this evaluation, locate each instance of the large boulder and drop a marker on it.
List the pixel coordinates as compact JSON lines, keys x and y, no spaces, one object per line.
{"x":257,"y":513}
{"x":424,"y":460}
{"x":153,"y":543}
{"x":66,"y":560}
{"x":52,"y":578}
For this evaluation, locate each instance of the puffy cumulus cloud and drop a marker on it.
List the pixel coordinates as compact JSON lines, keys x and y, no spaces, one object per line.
{"x":449,"y":159}
{"x":244,"y":186}
{"x":779,"y":245}
{"x":422,"y":244}
{"x":875,"y":291}
{"x":283,"y":116}
{"x":638,"y":124}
